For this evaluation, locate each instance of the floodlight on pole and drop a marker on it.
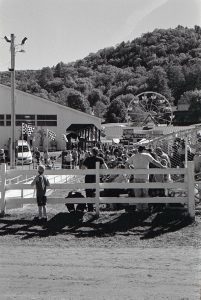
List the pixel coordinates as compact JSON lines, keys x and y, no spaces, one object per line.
{"x":12,"y":70}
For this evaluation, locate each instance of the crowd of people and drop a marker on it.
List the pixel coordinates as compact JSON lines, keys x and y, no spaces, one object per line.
{"x":115,"y":154}
{"x":118,"y":156}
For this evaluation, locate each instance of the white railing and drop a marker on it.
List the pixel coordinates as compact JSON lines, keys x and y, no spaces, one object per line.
{"x":186,"y":198}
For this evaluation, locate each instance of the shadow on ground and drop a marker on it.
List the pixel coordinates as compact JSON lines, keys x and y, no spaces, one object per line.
{"x":88,"y":225}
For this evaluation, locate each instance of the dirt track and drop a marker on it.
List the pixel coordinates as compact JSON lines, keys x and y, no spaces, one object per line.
{"x":113,"y":257}
{"x":37,"y":272}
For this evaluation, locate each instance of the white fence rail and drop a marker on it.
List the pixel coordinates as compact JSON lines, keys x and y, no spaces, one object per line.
{"x":186,"y":186}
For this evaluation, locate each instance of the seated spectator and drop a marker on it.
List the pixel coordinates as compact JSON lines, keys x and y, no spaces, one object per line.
{"x":72,"y":208}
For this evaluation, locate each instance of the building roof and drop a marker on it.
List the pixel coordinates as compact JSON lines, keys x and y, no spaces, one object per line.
{"x":54,"y":103}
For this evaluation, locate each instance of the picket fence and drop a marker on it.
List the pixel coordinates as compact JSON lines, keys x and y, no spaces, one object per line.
{"x":184,"y":191}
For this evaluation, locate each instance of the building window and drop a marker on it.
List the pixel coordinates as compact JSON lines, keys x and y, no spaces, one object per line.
{"x":33,"y":120}
{"x":27,"y":119}
{"x":8,"y":120}
{"x":46,"y":120}
{"x":1,"y":120}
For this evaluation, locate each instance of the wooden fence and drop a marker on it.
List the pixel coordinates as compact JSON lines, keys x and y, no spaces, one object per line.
{"x":183,"y":191}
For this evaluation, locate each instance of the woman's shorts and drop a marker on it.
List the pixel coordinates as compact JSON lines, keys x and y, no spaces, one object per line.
{"x":42,"y":200}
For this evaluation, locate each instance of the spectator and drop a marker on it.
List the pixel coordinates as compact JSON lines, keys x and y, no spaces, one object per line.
{"x":142,"y":160}
{"x":82,"y":157}
{"x":46,"y":157}
{"x":41,"y":182}
{"x":161,"y":178}
{"x":2,"y":156}
{"x":79,"y":208}
{"x":151,"y":151}
{"x":182,"y":150}
{"x":116,"y":192}
{"x":175,"y":157}
{"x":68,"y":159}
{"x":37,"y":155}
{"x":90,"y":163}
{"x":107,"y":157}
{"x":75,"y":158}
{"x":197,"y":165}
{"x":162,"y":155}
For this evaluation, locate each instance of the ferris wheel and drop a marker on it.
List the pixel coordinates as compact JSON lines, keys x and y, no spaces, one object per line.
{"x":149,"y":107}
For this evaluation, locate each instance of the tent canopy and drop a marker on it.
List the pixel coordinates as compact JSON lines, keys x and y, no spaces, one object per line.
{"x":76,"y":128}
{"x":83,"y":132}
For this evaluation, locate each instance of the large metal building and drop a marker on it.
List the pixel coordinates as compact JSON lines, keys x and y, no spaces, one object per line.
{"x":44,"y":115}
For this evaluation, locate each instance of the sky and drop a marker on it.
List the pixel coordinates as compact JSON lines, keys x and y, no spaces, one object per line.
{"x":68,"y":30}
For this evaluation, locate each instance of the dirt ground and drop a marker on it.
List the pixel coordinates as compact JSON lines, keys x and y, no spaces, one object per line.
{"x":116,"y":256}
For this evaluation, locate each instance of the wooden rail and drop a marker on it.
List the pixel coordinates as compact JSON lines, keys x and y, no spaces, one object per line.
{"x":187,"y":186}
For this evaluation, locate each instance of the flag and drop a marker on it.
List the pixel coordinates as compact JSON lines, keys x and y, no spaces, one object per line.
{"x":30,"y":130}
{"x":24,"y":128}
{"x":51,"y":134}
{"x":27,"y":129}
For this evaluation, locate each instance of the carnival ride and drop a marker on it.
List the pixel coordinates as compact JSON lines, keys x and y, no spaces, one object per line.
{"x":149,"y":107}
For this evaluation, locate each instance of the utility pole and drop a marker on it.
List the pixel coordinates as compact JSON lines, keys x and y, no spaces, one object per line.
{"x":12,"y":70}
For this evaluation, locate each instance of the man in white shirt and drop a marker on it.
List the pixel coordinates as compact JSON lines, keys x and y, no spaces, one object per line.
{"x":141,"y":160}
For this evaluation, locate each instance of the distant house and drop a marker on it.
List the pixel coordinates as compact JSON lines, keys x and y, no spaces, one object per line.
{"x":184,"y":117}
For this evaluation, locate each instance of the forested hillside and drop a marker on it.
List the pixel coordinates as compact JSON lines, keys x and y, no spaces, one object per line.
{"x":103,"y":83}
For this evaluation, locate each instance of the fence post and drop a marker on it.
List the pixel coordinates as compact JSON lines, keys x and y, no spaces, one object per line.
{"x":22,"y":193}
{"x":97,"y":188}
{"x":186,"y":151}
{"x":3,"y":189}
{"x":191,"y":189}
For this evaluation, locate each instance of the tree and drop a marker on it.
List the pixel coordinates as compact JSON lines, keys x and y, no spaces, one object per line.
{"x":99,"y":109}
{"x":45,"y":76}
{"x":126,"y":99}
{"x":83,"y":85}
{"x":59,"y":70}
{"x":176,"y":81}
{"x":77,"y":101}
{"x":116,"y":112}
{"x":192,"y":76}
{"x":158,"y":82}
{"x":94,"y":96}
{"x":55,"y":85}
